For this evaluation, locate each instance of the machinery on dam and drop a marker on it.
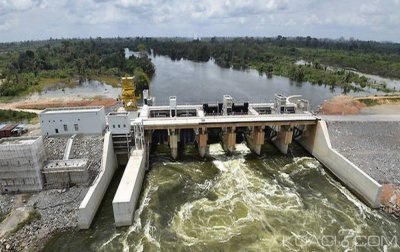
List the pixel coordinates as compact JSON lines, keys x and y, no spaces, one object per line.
{"x":227,"y":121}
{"x":128,"y":94}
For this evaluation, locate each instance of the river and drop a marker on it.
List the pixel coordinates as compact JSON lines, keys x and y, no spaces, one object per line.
{"x":240,"y":202}
{"x":195,"y":82}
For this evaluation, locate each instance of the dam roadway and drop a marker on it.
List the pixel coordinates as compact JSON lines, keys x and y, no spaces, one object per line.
{"x":229,"y":121}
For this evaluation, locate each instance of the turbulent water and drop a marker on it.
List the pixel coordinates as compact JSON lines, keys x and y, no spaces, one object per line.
{"x":239,"y":202}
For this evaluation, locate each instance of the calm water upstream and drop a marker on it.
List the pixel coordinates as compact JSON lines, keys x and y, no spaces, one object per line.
{"x":194,"y":82}
{"x":240,"y":202}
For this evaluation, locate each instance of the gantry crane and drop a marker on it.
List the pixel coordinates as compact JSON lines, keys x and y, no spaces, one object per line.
{"x":128,"y":95}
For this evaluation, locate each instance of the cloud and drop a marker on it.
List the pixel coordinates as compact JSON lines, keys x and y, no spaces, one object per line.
{"x":18,"y":4}
{"x":41,"y":19}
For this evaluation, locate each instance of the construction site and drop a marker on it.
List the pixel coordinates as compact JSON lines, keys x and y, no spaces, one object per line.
{"x":65,"y":172}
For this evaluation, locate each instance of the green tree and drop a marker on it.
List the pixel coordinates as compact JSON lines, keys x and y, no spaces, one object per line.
{"x":141,"y":80}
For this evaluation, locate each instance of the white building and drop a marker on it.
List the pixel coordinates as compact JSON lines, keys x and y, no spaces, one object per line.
{"x":118,"y":122}
{"x":21,"y":161}
{"x":73,"y":120}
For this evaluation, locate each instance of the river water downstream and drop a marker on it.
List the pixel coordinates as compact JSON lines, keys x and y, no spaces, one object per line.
{"x":240,"y":202}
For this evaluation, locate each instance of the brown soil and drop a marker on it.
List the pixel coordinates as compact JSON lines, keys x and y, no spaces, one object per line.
{"x":341,"y":105}
{"x":390,"y":199}
{"x":51,"y":103}
{"x":18,"y":215}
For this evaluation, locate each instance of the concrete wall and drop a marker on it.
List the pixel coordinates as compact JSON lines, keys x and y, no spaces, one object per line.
{"x":66,"y":179}
{"x":21,"y":161}
{"x":118,"y":123}
{"x":93,"y":198}
{"x":128,"y":191}
{"x":63,"y":173}
{"x":73,"y":121}
{"x":317,"y":142}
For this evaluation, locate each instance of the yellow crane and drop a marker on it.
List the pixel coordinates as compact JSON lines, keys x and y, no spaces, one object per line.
{"x":128,"y":95}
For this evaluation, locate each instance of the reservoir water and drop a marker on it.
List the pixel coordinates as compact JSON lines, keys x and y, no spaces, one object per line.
{"x":240,"y":202}
{"x":194,"y":82}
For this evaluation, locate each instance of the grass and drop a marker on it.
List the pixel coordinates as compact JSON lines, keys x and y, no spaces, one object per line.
{"x":16,"y":116}
{"x":379,"y":100}
{"x":43,"y":83}
{"x":7,"y":99}
{"x":109,"y":79}
{"x":68,"y":82}
{"x":4,"y":216}
{"x":33,"y":215}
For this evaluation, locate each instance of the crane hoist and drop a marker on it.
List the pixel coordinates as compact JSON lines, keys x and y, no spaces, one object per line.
{"x":128,"y":96}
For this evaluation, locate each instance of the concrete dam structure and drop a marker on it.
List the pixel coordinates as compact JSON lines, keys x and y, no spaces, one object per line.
{"x":125,"y":138}
{"x":130,"y":135}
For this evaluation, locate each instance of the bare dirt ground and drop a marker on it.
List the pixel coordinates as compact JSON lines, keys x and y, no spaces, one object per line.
{"x":348,"y":105}
{"x":390,"y":199}
{"x":37,"y":105}
{"x":384,"y":109}
{"x":18,"y":214}
{"x":341,"y":105}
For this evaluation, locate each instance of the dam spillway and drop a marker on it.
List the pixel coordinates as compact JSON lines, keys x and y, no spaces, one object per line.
{"x":280,"y":123}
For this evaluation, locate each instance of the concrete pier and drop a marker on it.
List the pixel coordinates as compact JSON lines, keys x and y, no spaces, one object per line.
{"x":283,"y":138}
{"x":229,"y":139}
{"x":255,"y":139}
{"x":202,"y":139}
{"x":316,"y":140}
{"x":68,"y":147}
{"x":125,"y":199}
{"x":173,"y":143}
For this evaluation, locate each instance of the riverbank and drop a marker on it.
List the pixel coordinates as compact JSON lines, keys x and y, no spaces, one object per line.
{"x":69,"y":101}
{"x":349,"y":105}
{"x":28,"y":224}
{"x":57,"y":211}
{"x":374,"y":148}
{"x":48,"y":84}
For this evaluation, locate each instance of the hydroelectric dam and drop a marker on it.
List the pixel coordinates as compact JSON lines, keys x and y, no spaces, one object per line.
{"x":130,"y":135}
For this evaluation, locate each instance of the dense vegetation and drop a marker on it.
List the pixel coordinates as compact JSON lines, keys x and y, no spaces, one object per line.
{"x":324,"y":59}
{"x":29,"y":66}
{"x":15,"y":116}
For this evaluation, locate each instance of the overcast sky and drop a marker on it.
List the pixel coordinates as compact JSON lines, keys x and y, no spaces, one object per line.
{"x":42,"y":19}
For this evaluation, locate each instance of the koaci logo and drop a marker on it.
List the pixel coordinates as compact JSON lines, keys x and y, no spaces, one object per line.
{"x":346,"y":239}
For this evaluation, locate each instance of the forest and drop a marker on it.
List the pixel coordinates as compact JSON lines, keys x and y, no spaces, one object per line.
{"x":31,"y":65}
{"x":324,"y":61}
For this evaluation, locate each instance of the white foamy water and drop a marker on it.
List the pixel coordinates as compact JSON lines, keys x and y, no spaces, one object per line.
{"x":242,"y":202}
{"x":242,"y":198}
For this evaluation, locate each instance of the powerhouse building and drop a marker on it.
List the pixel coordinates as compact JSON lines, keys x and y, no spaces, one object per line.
{"x":75,"y":120}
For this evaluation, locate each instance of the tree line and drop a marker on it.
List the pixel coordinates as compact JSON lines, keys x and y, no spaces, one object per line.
{"x":28,"y":64}
{"x":279,"y":55}
{"x":25,"y":65}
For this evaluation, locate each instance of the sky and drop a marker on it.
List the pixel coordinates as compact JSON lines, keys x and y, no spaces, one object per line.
{"x":41,"y":19}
